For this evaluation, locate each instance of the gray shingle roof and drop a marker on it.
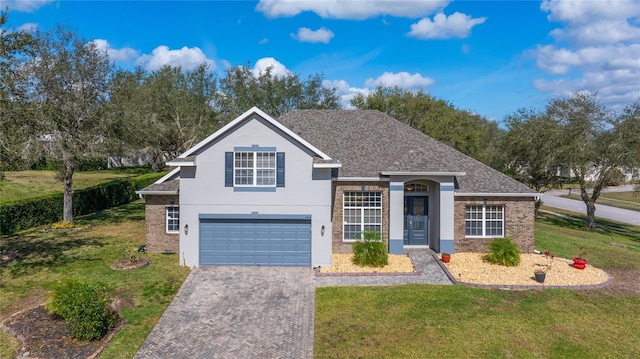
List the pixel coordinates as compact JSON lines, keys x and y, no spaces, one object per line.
{"x":172,"y":186}
{"x":368,"y":142}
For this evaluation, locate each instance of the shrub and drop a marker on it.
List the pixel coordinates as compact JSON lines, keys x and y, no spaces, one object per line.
{"x":369,"y":250}
{"x":43,"y":210}
{"x":62,"y":225}
{"x":503,"y":251}
{"x":84,"y":307}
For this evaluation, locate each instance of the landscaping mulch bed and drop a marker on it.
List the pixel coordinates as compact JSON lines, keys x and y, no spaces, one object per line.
{"x":47,"y":336}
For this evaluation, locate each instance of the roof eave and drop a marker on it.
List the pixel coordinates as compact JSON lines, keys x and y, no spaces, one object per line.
{"x":497,"y":194}
{"x":327,"y":165}
{"x":409,"y":173}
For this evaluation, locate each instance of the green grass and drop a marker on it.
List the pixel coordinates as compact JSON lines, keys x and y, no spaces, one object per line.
{"x":428,"y":321}
{"x":629,"y":202}
{"x":48,"y":258}
{"x":19,"y":185}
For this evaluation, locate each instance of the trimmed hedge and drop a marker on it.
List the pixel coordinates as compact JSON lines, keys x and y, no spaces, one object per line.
{"x":48,"y":209}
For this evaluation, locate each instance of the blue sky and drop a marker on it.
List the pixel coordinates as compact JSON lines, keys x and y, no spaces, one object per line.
{"x":489,"y":57}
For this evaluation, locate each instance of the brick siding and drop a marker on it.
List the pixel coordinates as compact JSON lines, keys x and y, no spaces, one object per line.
{"x":339,"y":246}
{"x":519,"y":223}
{"x":158,"y":240}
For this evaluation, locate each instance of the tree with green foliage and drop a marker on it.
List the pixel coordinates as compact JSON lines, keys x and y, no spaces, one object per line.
{"x":166,"y":111}
{"x":65,"y":85}
{"x":592,"y":145}
{"x":15,"y":48}
{"x":241,"y":89}
{"x":527,"y":150}
{"x":465,"y":131}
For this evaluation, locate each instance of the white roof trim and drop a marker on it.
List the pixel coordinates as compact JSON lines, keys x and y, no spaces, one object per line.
{"x":490,"y":194}
{"x":327,"y":165}
{"x":405,"y":173}
{"x":241,"y":118}
{"x":156,"y":192}
{"x":174,"y":163}
{"x":368,"y":179}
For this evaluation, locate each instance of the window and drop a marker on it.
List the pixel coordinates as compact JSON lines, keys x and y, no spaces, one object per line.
{"x":173,"y":219}
{"x":250,"y":170}
{"x":255,"y":169}
{"x":484,"y":221}
{"x":361,"y":211}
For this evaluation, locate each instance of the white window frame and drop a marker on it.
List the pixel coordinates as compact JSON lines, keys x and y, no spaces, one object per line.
{"x":257,"y":168}
{"x":365,"y":208}
{"x":172,"y":218}
{"x":484,"y":212}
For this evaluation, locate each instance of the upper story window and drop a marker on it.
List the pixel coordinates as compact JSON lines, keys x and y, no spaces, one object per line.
{"x":173,"y":219}
{"x":484,"y":221}
{"x":254,"y":169}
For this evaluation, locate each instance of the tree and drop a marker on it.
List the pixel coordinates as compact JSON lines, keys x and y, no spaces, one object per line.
{"x":166,"y":111}
{"x":467,"y":132}
{"x":15,"y":48}
{"x":241,"y":89}
{"x":527,"y":150}
{"x":67,"y":82}
{"x":594,"y":143}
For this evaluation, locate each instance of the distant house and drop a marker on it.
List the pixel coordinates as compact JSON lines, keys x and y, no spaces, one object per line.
{"x":294,"y":190}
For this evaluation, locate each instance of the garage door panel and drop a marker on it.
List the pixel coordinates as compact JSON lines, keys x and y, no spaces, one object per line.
{"x":255,"y":242}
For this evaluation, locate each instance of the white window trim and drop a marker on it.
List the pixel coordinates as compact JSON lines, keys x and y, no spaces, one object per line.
{"x":484,"y":221}
{"x":256,"y":168}
{"x":167,"y":219}
{"x":362,"y":222}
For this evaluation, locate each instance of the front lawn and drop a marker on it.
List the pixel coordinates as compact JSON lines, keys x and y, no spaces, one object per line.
{"x":428,"y":321}
{"x":47,"y":258}
{"x":19,"y":185}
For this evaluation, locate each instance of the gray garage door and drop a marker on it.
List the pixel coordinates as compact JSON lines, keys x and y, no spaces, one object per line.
{"x":271,"y":242}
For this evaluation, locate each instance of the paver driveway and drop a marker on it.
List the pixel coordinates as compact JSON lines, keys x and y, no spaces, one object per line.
{"x":237,"y":312}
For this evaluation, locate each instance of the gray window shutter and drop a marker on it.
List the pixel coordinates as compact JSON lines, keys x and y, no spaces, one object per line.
{"x":228,"y":169}
{"x":280,"y":169}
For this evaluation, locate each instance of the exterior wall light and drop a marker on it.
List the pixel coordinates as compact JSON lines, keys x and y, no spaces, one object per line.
{"x":186,"y":229}
{"x":322,"y":231}
{"x":484,"y":200}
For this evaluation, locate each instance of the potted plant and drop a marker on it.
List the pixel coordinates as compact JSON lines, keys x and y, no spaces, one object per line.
{"x":540,"y":273}
{"x":580,"y":262}
{"x":446,"y":257}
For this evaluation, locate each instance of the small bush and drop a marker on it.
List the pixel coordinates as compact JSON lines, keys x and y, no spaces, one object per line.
{"x":369,"y":250}
{"x":62,"y":225}
{"x":503,"y":251}
{"x":84,"y":307}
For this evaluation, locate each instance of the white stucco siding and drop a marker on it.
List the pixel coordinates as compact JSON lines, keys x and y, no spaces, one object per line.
{"x":306,"y":191}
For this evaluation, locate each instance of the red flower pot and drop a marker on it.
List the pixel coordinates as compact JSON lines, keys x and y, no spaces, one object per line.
{"x":579,"y":263}
{"x":446,"y":257}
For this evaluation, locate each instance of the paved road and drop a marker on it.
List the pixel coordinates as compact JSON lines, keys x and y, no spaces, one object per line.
{"x":551,"y":199}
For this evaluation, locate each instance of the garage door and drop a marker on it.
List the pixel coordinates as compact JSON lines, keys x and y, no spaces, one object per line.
{"x":269,"y":242}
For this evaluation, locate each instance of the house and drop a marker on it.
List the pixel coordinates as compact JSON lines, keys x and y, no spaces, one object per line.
{"x":294,"y":190}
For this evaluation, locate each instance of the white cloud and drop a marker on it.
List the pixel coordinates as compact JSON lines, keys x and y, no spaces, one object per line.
{"x":597,"y":49}
{"x":351,"y":9}
{"x":594,"y":22}
{"x":263,"y":41}
{"x":277,"y":68}
{"x":23,"y":5}
{"x":28,"y":27}
{"x":124,"y":54}
{"x":186,"y":58}
{"x":345,"y":91}
{"x":456,"y":25}
{"x":305,"y":34}
{"x":401,"y":79}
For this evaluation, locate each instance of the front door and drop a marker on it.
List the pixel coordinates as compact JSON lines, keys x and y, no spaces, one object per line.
{"x":416,"y":215}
